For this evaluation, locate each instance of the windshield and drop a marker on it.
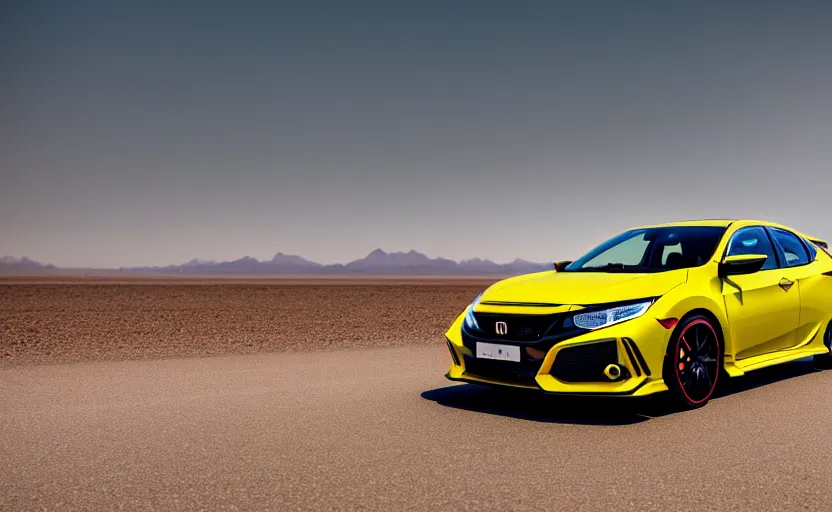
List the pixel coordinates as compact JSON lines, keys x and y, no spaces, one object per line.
{"x":652,"y":250}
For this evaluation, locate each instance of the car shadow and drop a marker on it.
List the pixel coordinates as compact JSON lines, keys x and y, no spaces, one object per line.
{"x":532,"y":405}
{"x":767,"y":376}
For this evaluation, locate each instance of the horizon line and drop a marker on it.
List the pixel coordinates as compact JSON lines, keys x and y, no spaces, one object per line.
{"x":196,"y":261}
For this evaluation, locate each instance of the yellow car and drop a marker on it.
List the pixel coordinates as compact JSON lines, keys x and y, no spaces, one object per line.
{"x":667,"y":307}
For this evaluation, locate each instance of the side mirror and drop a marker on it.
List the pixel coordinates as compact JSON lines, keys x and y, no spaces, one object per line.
{"x":560,"y":265}
{"x":741,"y":264}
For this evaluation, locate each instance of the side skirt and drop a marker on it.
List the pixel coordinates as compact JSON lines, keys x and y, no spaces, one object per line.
{"x":739,"y":368}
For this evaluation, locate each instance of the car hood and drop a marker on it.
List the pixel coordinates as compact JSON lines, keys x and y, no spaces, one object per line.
{"x":580,"y":288}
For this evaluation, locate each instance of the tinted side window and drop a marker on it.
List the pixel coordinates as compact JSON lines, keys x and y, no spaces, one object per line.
{"x":753,"y":240}
{"x":813,"y":250}
{"x":794,"y":250}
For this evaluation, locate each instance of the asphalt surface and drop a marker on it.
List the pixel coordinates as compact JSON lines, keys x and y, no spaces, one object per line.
{"x":382,"y":429}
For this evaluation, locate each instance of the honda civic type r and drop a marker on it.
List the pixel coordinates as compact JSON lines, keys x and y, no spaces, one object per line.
{"x":671,"y":307}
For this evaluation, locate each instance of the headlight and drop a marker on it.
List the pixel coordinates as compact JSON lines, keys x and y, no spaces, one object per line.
{"x":607,"y":317}
{"x":469,"y":321}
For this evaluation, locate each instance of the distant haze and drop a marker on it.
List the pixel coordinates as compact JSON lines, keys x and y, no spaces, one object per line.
{"x":378,"y":262}
{"x":151,"y":133}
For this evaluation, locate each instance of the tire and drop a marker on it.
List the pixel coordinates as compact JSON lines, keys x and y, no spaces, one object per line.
{"x":693,"y":362}
{"x":824,"y":361}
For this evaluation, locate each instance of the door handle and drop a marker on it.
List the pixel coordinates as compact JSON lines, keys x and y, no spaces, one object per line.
{"x":785,"y":284}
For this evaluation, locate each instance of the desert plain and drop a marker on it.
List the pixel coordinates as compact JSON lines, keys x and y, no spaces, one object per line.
{"x":72,"y":319}
{"x":308,"y":394}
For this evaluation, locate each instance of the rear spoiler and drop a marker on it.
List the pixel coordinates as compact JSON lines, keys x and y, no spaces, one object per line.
{"x":824,"y":246}
{"x":817,"y":241}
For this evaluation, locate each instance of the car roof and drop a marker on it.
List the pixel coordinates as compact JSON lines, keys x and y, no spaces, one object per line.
{"x":699,"y":222}
{"x":724,"y":223}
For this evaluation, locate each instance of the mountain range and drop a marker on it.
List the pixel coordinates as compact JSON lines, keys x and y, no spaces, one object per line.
{"x":10,"y":265}
{"x":378,"y":262}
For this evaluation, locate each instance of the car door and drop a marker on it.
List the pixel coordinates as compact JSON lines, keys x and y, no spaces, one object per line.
{"x":797,"y":261}
{"x":763,"y":308}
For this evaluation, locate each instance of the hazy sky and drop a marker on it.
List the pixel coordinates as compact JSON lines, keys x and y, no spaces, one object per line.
{"x":136,"y":133}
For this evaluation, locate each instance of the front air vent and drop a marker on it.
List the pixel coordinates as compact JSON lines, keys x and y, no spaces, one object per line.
{"x":452,"y":351}
{"x":641,"y":362}
{"x":632,"y":357}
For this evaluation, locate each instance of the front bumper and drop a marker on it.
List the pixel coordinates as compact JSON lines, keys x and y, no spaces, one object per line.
{"x":574,"y":366}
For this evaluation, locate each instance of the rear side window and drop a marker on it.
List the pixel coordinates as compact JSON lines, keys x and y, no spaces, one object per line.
{"x":793,"y":248}
{"x":813,"y":249}
{"x":752,"y":240}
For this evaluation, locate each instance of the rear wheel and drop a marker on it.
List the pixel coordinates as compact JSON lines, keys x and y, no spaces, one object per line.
{"x":825,"y":360}
{"x":692,"y":362}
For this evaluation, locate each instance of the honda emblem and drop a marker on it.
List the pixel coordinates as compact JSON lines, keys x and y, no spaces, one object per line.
{"x":501,"y":328}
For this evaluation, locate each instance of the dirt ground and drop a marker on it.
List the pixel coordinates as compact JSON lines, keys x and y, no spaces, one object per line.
{"x":61,"y":320}
{"x":318,"y":430}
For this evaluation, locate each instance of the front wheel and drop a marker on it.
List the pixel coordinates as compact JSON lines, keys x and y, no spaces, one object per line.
{"x":825,"y":360}
{"x":692,"y":362}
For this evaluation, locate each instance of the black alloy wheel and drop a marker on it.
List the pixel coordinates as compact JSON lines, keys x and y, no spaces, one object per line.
{"x":692,"y":363}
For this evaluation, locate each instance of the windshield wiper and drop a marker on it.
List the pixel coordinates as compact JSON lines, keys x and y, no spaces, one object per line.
{"x":605,"y":268}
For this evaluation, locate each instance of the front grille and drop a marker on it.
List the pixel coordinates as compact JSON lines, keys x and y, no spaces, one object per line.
{"x":510,"y":371}
{"x":518,"y":327}
{"x":585,"y":363}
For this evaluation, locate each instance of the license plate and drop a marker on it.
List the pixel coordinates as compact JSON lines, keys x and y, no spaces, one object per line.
{"x":499,"y":352}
